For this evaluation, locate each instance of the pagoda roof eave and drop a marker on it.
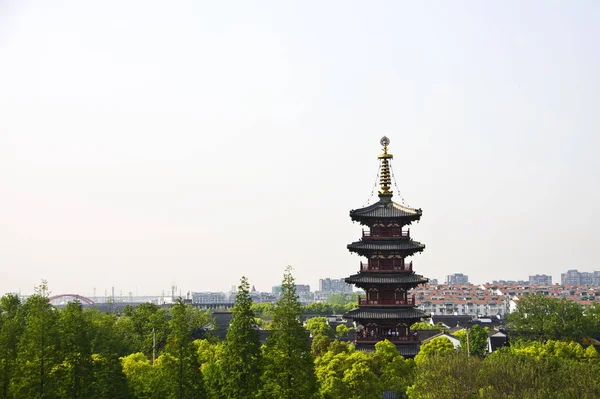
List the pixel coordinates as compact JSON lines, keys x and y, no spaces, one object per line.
{"x":386,"y":314}
{"x":404,"y":245}
{"x":386,"y":209}
{"x":365,"y":278}
{"x":406,"y":350}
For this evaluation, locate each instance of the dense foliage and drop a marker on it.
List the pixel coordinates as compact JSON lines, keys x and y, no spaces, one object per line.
{"x":288,"y":363}
{"x":149,"y":352}
{"x":528,"y":371}
{"x":539,"y":317}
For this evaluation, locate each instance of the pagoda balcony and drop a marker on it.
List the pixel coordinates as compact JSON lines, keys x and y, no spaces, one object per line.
{"x":401,"y":267}
{"x":385,"y":233}
{"x":386,"y":302}
{"x":392,"y":338}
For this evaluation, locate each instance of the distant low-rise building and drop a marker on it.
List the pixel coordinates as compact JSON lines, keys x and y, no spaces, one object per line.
{"x":300,"y":288}
{"x":513,"y":282}
{"x":209,"y":297}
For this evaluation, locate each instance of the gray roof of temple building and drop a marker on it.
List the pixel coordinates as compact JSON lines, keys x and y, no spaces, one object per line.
{"x":403,"y":349}
{"x":386,"y":209}
{"x":386,"y":314}
{"x":386,"y":278}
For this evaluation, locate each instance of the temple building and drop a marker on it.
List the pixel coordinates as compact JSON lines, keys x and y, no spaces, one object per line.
{"x":387,"y":311}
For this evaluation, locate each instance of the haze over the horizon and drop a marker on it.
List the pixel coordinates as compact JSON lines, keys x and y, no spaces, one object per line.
{"x":144,"y":143}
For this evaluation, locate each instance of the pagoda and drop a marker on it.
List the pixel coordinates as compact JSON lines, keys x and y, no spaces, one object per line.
{"x":387,"y":311}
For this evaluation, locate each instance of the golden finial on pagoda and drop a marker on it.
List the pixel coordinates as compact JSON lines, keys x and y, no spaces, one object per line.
{"x":385,"y":180}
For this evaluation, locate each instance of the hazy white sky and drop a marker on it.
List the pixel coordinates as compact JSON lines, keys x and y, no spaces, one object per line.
{"x":144,"y":143}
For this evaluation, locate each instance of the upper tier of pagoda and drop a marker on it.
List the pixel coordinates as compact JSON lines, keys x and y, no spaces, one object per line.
{"x":385,"y":208}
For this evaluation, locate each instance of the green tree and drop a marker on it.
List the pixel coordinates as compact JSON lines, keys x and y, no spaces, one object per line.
{"x":341,"y":330}
{"x":421,"y":325}
{"x":541,"y":318}
{"x":343,"y":372}
{"x":289,"y":367}
{"x":474,"y":340}
{"x":550,"y":348}
{"x":180,"y":363}
{"x":591,"y":353}
{"x":76,"y":368}
{"x":109,"y":381}
{"x":360,"y":380}
{"x":209,"y":356}
{"x":341,"y":302}
{"x":144,"y":378}
{"x":319,"y":326}
{"x":435,"y":347}
{"x":241,"y":351}
{"x":141,"y":327}
{"x":38,"y":349}
{"x":395,"y":372}
{"x":11,"y":328}
{"x":509,"y":374}
{"x":263,"y":310}
{"x":321,"y":333}
{"x":446,"y":374}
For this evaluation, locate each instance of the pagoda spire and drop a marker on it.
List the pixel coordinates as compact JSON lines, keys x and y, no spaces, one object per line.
{"x":385,"y":180}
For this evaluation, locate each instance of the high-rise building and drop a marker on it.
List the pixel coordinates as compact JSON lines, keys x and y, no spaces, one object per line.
{"x":571,"y":277}
{"x":596,"y":279}
{"x":457,"y":278}
{"x":334,"y":286}
{"x":586,"y":278}
{"x":386,"y":312}
{"x":540,"y":279}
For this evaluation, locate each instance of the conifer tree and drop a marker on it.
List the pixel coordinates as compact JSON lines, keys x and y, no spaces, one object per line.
{"x":11,"y":328}
{"x":241,"y":351}
{"x":289,"y":368}
{"x":75,"y":371}
{"x":183,"y":367}
{"x":38,"y":349}
{"x":109,"y":380}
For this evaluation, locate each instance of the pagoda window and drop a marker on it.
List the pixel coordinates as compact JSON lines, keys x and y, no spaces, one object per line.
{"x":402,"y":329}
{"x":400,"y":294}
{"x":371,"y":330}
{"x":372,"y":294}
{"x":374,"y":263}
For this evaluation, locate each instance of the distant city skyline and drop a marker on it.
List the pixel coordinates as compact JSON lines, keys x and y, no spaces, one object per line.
{"x":143,"y":144}
{"x":531,"y":279}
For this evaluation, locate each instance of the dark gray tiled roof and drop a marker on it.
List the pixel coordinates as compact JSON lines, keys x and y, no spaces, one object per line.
{"x":387,"y":245}
{"x":409,"y":350}
{"x":386,"y":278}
{"x":385,"y":209}
{"x":386,"y":314}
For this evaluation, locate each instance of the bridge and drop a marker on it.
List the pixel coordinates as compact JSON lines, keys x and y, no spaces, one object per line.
{"x":70,"y":297}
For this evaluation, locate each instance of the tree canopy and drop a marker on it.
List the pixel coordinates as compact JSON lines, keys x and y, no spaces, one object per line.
{"x":288,"y":363}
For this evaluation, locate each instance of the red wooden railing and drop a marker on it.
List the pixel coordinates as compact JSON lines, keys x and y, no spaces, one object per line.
{"x":392,"y":267}
{"x":386,"y":233}
{"x":385,"y":302}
